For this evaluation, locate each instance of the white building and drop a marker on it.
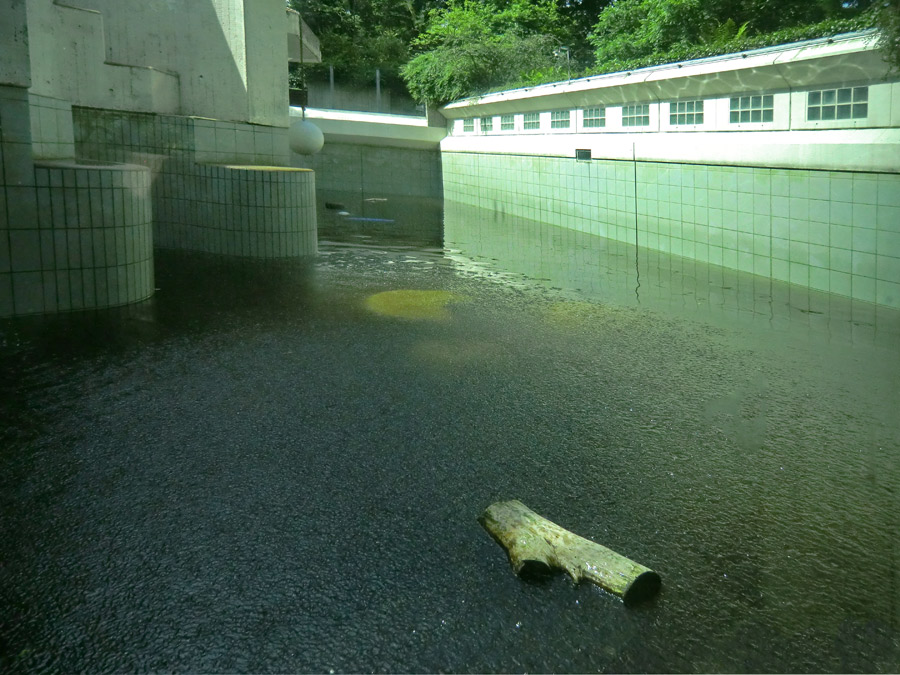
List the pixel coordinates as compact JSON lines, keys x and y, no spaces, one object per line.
{"x":782,"y":162}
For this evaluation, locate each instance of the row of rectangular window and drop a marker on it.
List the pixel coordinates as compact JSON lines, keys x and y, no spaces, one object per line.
{"x":752,"y":109}
{"x":559,"y":119}
{"x":686,"y":112}
{"x":838,"y":104}
{"x":636,"y":115}
{"x":825,"y":104}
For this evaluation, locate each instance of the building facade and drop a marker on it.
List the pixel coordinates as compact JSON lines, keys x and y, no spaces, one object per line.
{"x":782,"y":162}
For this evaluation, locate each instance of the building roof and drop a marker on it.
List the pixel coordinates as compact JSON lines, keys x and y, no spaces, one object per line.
{"x":846,"y":59}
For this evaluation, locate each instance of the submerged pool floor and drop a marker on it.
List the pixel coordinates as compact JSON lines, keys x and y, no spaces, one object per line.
{"x":255,"y":471}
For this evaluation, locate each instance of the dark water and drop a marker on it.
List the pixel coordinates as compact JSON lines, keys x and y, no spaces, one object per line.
{"x":254,"y":472}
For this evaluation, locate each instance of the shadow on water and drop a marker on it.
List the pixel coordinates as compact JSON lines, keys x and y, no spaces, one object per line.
{"x":380,"y":219}
{"x":255,"y":472}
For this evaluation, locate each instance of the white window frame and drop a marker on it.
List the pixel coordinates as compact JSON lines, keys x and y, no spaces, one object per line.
{"x":685,"y":113}
{"x":587,"y":119}
{"x":828,"y":101}
{"x":561,"y":119}
{"x":744,"y":107}
{"x":636,"y":111}
{"x":531,"y":121}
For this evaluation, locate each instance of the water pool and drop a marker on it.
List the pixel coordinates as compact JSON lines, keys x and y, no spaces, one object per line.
{"x":254,"y":471}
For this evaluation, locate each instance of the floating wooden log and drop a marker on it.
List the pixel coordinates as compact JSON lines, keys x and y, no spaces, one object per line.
{"x":535,"y":545}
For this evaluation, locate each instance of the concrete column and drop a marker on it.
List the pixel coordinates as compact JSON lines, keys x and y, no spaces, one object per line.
{"x":266,"y":59}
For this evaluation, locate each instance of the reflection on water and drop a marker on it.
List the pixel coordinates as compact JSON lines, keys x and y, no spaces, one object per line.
{"x":613,"y":271}
{"x":255,"y":471}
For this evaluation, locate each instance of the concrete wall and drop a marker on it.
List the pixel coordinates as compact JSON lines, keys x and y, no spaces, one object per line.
{"x":374,"y":153}
{"x":239,"y":211}
{"x":790,"y":140}
{"x":79,"y":234}
{"x":15,"y":66}
{"x":85,"y":242}
{"x":52,"y":133}
{"x":835,"y":231}
{"x":267,"y":92}
{"x":360,"y":98}
{"x":302,"y":44}
{"x":375,"y":170}
{"x":622,"y":273}
{"x":215,"y":59}
{"x":70,"y":61}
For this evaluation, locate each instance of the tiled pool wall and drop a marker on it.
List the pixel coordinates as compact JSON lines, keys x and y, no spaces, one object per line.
{"x":478,"y":241}
{"x":199,"y":203}
{"x":79,"y":233}
{"x":230,"y":210}
{"x":85,"y":244}
{"x":832,"y":231}
{"x":374,"y":170}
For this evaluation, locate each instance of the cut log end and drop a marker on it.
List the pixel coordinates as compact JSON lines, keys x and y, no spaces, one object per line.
{"x":644,"y":587}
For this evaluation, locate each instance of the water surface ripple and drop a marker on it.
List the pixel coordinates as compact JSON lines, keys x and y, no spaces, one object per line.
{"x":254,"y":472}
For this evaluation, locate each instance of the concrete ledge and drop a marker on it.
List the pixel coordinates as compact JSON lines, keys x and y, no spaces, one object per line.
{"x":377,"y":129}
{"x":873,"y":150}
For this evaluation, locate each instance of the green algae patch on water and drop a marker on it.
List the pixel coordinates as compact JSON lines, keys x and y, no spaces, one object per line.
{"x":410,"y":304}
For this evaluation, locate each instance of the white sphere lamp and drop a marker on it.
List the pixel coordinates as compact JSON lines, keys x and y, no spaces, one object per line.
{"x":305,"y":137}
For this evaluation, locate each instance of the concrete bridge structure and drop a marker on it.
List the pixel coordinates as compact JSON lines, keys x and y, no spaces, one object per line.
{"x":129,"y":125}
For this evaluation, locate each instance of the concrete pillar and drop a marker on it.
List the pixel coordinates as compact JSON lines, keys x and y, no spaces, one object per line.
{"x":15,"y":65}
{"x":266,"y":63}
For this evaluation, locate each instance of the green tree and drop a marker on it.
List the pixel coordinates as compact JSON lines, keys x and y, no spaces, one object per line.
{"x":582,"y":15}
{"x":633,"y":28}
{"x":358,"y":36}
{"x":469,"y":47}
{"x":630,"y":33}
{"x":889,"y":24}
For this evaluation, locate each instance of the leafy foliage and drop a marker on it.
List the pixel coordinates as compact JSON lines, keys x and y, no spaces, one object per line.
{"x":740,"y":42}
{"x":662,"y":31}
{"x":451,"y":72}
{"x":889,"y":23}
{"x":471,"y":46}
{"x":358,"y":36}
{"x":448,"y":49}
{"x":631,"y":29}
